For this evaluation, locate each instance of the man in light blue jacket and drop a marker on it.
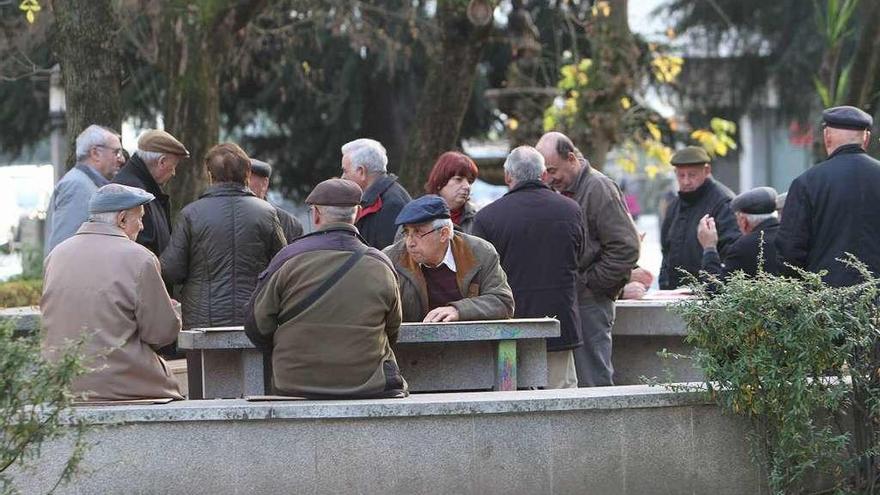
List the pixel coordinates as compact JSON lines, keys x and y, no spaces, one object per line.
{"x":98,"y":158}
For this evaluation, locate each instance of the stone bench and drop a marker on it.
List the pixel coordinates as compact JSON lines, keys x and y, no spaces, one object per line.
{"x":605,"y":440}
{"x":469,"y":355}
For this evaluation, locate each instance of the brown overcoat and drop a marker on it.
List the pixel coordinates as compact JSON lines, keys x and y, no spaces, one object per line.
{"x":102,"y":283}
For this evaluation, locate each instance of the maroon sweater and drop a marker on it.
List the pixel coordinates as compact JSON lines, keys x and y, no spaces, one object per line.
{"x":442,"y":286}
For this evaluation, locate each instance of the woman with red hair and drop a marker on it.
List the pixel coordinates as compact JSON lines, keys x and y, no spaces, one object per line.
{"x":451,"y":179}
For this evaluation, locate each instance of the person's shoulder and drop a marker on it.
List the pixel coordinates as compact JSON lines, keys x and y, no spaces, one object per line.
{"x":394,"y":251}
{"x":396,"y":193}
{"x":477,"y":244}
{"x":721,"y":190}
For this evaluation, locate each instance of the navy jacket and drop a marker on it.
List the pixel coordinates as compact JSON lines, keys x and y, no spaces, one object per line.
{"x":377,"y":227}
{"x":157,"y":213}
{"x":539,"y":236}
{"x":743,"y":254}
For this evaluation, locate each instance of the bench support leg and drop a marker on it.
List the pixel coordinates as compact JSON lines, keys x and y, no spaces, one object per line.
{"x":505,"y":365}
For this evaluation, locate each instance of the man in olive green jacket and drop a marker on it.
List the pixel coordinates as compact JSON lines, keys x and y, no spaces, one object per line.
{"x":446,"y":275}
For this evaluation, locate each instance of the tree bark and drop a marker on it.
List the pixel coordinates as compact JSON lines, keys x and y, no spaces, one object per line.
{"x":863,"y":90}
{"x":86,"y":45}
{"x":447,"y":91}
{"x":196,"y":42}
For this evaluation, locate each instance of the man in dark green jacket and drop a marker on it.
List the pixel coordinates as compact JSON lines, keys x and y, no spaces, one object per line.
{"x":446,"y":275}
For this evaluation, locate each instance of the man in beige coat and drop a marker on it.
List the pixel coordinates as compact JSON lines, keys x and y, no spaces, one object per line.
{"x":103,"y":284}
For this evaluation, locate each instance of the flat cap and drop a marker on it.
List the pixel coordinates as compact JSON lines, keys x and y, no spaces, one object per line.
{"x":847,"y":117}
{"x":690,"y":155}
{"x":118,"y":197}
{"x":335,"y":192}
{"x":755,"y":201}
{"x":261,"y":168}
{"x":428,"y":207}
{"x":161,"y":142}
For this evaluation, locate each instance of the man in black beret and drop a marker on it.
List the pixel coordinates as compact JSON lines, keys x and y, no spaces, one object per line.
{"x":446,"y":275}
{"x":756,"y":217}
{"x":698,"y":195}
{"x":261,"y":172}
{"x":831,"y":209}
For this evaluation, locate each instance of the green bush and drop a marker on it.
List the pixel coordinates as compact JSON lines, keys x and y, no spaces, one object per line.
{"x":20,"y":292}
{"x":798,"y":359}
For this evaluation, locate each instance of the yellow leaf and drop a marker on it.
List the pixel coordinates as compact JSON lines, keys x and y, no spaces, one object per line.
{"x":625,"y":103}
{"x":30,"y":16}
{"x":512,"y":124}
{"x":654,"y":130}
{"x":604,"y":7}
{"x":306,"y":67}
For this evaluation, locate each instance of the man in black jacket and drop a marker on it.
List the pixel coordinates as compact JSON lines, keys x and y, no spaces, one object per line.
{"x":151,"y":167}
{"x":698,"y":195}
{"x":261,"y":172}
{"x":831,"y":209}
{"x":364,"y":162}
{"x":539,"y":236}
{"x":756,"y":217}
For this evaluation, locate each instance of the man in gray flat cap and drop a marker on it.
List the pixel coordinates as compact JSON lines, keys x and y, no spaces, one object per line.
{"x":151,"y":167}
{"x":327,"y":309}
{"x":755,"y":212}
{"x":831,"y":209}
{"x":102,"y":285}
{"x":261,"y":172}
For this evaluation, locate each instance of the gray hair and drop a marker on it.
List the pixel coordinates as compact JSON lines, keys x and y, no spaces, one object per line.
{"x":756,"y":218}
{"x":367,"y":153}
{"x":337,"y":213}
{"x":149,"y":157}
{"x":108,"y":217}
{"x":93,"y":135}
{"x":525,"y":163}
{"x":439,"y":223}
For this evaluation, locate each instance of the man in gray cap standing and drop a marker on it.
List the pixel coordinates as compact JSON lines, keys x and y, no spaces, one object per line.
{"x":698,"y":195}
{"x":101,"y":284}
{"x":327,"y":309}
{"x":831,"y":209}
{"x":258,"y":182}
{"x":756,"y":217}
{"x":151,"y":167}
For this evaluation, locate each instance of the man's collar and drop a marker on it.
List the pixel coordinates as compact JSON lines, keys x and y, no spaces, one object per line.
{"x":100,"y":228}
{"x":93,"y":173}
{"x":448,"y":260}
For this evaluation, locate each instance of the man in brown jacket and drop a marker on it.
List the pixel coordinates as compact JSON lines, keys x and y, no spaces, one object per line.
{"x":446,"y":275}
{"x":328,"y":308}
{"x":102,"y":283}
{"x":610,"y":253}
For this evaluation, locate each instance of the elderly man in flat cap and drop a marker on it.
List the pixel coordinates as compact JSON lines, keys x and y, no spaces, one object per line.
{"x":446,"y":275}
{"x":327,"y":309}
{"x":98,"y":158}
{"x":151,"y":167}
{"x":698,"y":195}
{"x":756,"y":217}
{"x":261,"y":172}
{"x":831,"y":209}
{"x":102,"y":284}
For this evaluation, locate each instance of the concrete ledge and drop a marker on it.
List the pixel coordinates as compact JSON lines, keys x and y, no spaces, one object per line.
{"x":25,"y":319}
{"x":647,"y":318}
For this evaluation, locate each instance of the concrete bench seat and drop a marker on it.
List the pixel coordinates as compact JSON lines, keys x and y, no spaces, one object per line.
{"x":471,"y":355}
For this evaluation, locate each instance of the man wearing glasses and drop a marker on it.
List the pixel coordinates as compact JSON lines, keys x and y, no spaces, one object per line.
{"x":98,"y":158}
{"x":446,"y":275}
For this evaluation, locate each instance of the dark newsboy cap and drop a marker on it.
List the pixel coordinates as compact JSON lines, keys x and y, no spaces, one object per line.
{"x":335,"y":192}
{"x":261,"y":168}
{"x":161,"y":142}
{"x":847,"y":117}
{"x":755,"y":201}
{"x":428,"y":207}
{"x":118,"y":197}
{"x":690,"y":155}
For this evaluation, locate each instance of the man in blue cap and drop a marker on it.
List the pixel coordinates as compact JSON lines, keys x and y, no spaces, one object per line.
{"x":831,"y":209}
{"x":446,"y":275}
{"x":102,"y":285}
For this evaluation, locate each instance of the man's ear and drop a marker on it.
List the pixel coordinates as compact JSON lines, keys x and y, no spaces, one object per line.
{"x":445,"y":234}
{"x":120,"y":218}
{"x":867,"y":141}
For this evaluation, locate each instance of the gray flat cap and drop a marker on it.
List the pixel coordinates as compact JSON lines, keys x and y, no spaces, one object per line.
{"x":847,"y":117}
{"x":755,"y":201}
{"x":117,"y":197}
{"x":261,"y":168}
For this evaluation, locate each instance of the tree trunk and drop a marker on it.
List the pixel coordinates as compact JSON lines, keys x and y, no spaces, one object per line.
{"x":196,"y":42}
{"x":447,"y":91}
{"x":86,"y":45}
{"x":865,"y":73}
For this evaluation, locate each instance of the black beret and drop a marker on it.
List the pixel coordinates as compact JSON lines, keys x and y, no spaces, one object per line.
{"x":335,"y":192}
{"x":690,"y":155}
{"x":261,"y":168}
{"x":428,"y":207}
{"x":847,"y":117}
{"x":755,"y":201}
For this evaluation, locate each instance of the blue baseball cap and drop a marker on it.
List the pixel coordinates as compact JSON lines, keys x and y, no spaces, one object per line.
{"x":428,"y":207}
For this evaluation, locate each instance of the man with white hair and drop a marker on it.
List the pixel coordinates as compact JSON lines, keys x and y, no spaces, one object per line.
{"x":446,"y":275}
{"x":831,"y":209}
{"x":542,"y":273}
{"x":151,"y":167}
{"x":365,"y":162}
{"x":98,"y":158}
{"x":101,"y":286}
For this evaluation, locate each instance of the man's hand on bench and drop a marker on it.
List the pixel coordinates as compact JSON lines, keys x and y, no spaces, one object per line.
{"x":443,"y":313}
